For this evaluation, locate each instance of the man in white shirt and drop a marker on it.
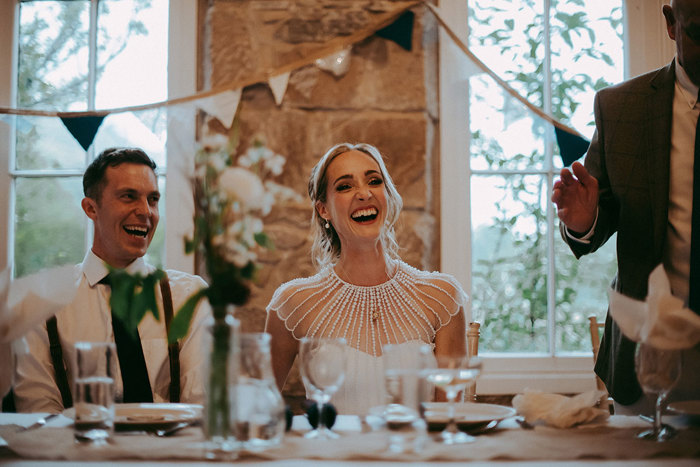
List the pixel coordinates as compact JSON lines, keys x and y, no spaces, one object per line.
{"x":121,"y":198}
{"x":638,"y":183}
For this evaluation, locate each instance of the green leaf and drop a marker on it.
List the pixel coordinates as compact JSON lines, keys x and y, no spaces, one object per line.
{"x":262,"y":239}
{"x":181,"y":321}
{"x":133,"y":295}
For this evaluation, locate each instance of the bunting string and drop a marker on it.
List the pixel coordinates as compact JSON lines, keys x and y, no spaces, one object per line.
{"x":384,"y":24}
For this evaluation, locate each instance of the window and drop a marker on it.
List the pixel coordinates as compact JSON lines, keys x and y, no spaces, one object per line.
{"x":528,"y":291}
{"x":75,"y":56}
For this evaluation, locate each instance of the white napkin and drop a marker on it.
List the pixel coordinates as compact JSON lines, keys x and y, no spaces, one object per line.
{"x":560,"y":411}
{"x":25,"y":303}
{"x":661,"y":320}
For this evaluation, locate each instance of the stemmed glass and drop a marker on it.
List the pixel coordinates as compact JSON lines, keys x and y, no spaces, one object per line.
{"x":453,"y":374}
{"x":322,"y":367}
{"x":658,"y":372}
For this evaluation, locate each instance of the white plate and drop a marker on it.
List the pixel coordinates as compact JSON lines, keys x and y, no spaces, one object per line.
{"x":685,"y":407}
{"x":468,"y":416}
{"x":150,"y":416}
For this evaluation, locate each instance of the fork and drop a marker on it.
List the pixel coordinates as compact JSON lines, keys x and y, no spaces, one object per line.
{"x":41,"y":422}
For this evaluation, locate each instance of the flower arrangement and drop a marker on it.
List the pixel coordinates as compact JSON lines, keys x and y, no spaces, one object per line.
{"x":232,"y":195}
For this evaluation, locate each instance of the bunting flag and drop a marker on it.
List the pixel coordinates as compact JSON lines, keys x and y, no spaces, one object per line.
{"x":83,"y":129}
{"x":278,"y":85}
{"x":223,"y":106}
{"x":400,"y":31}
{"x":571,"y":146}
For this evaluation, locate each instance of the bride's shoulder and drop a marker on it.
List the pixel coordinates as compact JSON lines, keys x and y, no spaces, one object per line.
{"x":296,"y":290}
{"x":437,"y":282}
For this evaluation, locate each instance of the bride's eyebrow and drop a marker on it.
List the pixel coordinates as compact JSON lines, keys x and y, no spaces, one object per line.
{"x":343,"y":177}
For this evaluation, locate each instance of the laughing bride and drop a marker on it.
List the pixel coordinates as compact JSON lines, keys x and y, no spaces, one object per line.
{"x":363,"y":291}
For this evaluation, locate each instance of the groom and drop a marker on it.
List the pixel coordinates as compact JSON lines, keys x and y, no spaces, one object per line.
{"x":121,"y":198}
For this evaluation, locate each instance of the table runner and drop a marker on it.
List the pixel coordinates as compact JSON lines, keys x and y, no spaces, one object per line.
{"x":614,"y":440}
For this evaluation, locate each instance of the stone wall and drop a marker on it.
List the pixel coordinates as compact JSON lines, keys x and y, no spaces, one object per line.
{"x":387,"y":98}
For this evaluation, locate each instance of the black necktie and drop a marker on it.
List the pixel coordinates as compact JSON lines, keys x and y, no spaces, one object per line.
{"x":132,"y":363}
{"x":694,"y":292}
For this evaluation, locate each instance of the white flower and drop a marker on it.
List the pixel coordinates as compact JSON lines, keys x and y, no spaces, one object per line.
{"x":275,"y":164}
{"x":242,"y":185}
{"x":214,"y":142}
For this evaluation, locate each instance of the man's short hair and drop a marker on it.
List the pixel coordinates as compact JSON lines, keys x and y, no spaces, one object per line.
{"x":94,"y":177}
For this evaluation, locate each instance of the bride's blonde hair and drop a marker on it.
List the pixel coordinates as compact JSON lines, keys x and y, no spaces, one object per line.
{"x":326,"y":246}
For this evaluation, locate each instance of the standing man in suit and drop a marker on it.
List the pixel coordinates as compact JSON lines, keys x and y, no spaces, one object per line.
{"x":121,"y":198}
{"x":638,"y":182}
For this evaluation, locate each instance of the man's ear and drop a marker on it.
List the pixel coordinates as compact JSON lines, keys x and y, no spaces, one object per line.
{"x":89,"y":205}
{"x":670,"y":21}
{"x":322,"y":211}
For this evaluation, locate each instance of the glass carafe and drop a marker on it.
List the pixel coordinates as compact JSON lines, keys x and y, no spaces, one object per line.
{"x":260,"y":420}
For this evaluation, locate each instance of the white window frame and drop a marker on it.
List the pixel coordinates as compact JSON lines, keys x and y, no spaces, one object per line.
{"x":182,"y":72}
{"x":647,"y":46}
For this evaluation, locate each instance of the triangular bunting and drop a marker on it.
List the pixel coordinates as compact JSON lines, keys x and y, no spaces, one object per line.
{"x":83,"y":129}
{"x":278,"y":85}
{"x":222,"y":106}
{"x":400,"y":31}
{"x":571,"y":146}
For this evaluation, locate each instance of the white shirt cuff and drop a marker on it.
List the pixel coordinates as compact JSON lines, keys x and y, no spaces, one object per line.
{"x":586,"y":239}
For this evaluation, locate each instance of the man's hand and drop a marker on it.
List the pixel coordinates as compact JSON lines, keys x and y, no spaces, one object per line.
{"x":576,"y":197}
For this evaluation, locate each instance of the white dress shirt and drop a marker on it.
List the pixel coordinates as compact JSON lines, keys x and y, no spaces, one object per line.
{"x":88,"y":318}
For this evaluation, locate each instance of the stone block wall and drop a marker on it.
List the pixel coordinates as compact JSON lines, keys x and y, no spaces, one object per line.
{"x":387,"y":98}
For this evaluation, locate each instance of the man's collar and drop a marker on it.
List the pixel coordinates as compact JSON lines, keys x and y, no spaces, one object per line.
{"x":687,"y":87}
{"x":95,"y":269}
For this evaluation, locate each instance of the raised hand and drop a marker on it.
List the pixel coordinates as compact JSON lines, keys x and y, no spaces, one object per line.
{"x":576,"y":197}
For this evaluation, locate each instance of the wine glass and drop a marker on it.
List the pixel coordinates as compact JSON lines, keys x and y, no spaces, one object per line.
{"x":658,"y":372}
{"x":322,"y":367}
{"x":452,"y":375}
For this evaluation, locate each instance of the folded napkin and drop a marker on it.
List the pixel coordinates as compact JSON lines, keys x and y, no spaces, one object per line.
{"x":25,"y":303}
{"x":560,"y":411}
{"x":660,"y":320}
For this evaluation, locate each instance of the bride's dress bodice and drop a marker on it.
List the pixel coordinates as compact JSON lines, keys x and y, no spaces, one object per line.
{"x":407,"y":309}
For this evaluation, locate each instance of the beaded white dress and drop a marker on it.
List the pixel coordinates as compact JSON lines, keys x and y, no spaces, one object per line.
{"x":408,"y":309}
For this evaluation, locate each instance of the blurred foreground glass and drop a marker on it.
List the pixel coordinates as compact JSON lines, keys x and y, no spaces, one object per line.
{"x":260,"y":421}
{"x":405,"y":369}
{"x":658,"y":372}
{"x":93,"y":389}
{"x":322,"y":367}
{"x":453,"y":375}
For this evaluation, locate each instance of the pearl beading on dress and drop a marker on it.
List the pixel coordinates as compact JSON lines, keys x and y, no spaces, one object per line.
{"x":412,"y":305}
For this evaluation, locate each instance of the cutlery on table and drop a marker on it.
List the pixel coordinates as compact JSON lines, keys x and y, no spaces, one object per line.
{"x":171,"y":430}
{"x":41,"y":422}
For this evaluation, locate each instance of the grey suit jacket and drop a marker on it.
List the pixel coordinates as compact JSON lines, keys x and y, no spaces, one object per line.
{"x":629,"y":155}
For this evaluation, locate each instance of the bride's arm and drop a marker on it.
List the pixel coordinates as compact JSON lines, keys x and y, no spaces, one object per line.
{"x":284,"y":347}
{"x":451,"y":339}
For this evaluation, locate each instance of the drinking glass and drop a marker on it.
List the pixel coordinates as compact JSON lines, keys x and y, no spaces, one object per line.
{"x":453,"y":374}
{"x":406,"y":389}
{"x":322,"y":367}
{"x":95,"y":367}
{"x":658,"y":372}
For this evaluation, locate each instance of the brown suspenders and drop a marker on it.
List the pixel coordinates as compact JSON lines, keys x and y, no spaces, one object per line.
{"x":173,"y":351}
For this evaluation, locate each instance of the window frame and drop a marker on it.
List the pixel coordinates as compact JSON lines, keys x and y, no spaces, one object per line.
{"x":647,"y":46}
{"x":181,"y":77}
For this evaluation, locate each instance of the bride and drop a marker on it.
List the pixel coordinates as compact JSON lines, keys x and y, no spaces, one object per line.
{"x":363,"y":291}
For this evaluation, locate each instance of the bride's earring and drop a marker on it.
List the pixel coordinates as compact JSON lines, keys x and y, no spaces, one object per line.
{"x":327,"y":226}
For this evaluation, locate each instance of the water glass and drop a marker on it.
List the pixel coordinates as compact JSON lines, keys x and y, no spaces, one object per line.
{"x":322,"y":368}
{"x":260,"y":419}
{"x":406,"y":389}
{"x":95,"y":368}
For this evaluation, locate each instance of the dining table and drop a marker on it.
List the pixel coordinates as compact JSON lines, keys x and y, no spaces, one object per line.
{"x":611,"y":442}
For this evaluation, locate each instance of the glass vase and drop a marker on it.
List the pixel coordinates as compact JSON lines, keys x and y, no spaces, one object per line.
{"x":223,"y":349}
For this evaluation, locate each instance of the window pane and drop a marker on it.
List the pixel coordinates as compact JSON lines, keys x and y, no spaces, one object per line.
{"x":504,"y":133}
{"x":45,"y":143}
{"x":132,"y":52}
{"x":53,"y":55}
{"x":49,"y":223}
{"x":581,"y":291}
{"x":145,"y":130}
{"x":587,"y":55}
{"x":509,"y":246}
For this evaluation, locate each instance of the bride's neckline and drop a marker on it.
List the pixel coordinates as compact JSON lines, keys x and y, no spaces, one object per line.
{"x":391,"y":278}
